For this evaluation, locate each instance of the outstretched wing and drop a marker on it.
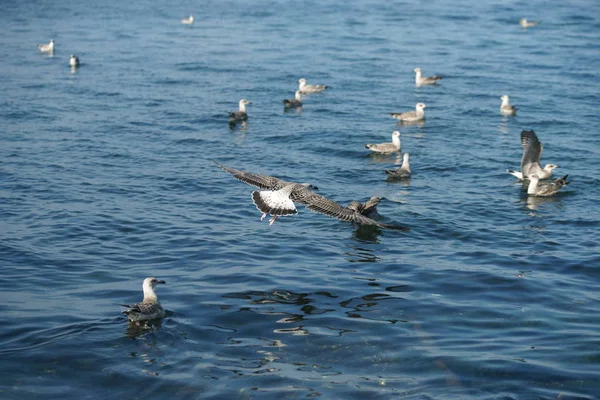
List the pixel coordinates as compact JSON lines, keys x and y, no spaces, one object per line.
{"x":260,"y":181}
{"x":323,"y":205}
{"x":532,"y":151}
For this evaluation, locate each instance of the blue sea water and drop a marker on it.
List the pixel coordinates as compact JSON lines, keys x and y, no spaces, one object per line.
{"x":106,"y":177}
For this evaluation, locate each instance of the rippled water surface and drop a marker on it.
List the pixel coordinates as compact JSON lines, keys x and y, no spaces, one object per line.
{"x":106,"y":177}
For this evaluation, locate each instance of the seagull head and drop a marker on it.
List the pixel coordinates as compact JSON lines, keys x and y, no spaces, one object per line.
{"x":504,"y":97}
{"x":550,"y":167}
{"x":151,"y":282}
{"x":302,"y":81}
{"x":244,"y":101}
{"x":417,"y":70}
{"x":396,"y":134}
{"x":420,"y":106}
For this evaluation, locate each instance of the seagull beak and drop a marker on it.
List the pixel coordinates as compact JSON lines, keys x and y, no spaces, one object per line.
{"x":163,"y":282}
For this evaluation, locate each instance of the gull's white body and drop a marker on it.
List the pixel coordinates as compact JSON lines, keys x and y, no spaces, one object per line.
{"x":386,"y":147}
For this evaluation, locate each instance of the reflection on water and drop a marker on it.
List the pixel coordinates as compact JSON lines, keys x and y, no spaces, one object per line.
{"x":393,"y":158}
{"x":534,"y":202}
{"x":411,"y":123}
{"x":138,"y":328}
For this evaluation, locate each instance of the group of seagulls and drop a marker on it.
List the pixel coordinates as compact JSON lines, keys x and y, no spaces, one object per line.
{"x":49,"y":48}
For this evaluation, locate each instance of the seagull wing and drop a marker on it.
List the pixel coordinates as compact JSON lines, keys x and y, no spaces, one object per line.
{"x":261,"y":181}
{"x":142,"y":308}
{"x":532,"y":151}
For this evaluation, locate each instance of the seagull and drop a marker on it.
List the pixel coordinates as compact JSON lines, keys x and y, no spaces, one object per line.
{"x":545,"y":189}
{"x":304,"y":88}
{"x":241,"y":115}
{"x":386,"y":147}
{"x":368,"y":208}
{"x":278,"y":197}
{"x":530,"y":161}
{"x":506,"y":108}
{"x":150,"y":307}
{"x":401,"y":173}
{"x":527,"y":24}
{"x":47,"y":48}
{"x":294,"y":103}
{"x":428,"y":80}
{"x":411,"y":116}
{"x":188,"y":21}
{"x":74,"y":61}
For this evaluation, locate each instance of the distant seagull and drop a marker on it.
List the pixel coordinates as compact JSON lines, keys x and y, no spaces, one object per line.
{"x":428,"y":80}
{"x":530,"y":161}
{"x":188,"y":21}
{"x":304,"y":88}
{"x":294,"y":103}
{"x":278,"y":197}
{"x":74,"y":61}
{"x":527,"y":24}
{"x":545,"y":189}
{"x":401,"y":173}
{"x":47,"y":48}
{"x":506,"y":108}
{"x":150,"y":307}
{"x":241,"y":115}
{"x":411,"y":116}
{"x":386,"y":147}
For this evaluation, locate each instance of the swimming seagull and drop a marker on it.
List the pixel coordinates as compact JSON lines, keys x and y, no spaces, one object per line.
{"x":428,"y":80}
{"x":74,"y":61}
{"x":278,"y":197}
{"x":506,"y":108}
{"x":401,"y":173}
{"x":188,"y":21}
{"x":294,"y":103}
{"x":47,"y":48}
{"x":304,"y":88}
{"x":411,"y":116}
{"x":527,"y":24}
{"x":150,"y":307}
{"x":545,"y":189}
{"x":386,"y":147}
{"x":241,"y":115}
{"x":530,"y":161}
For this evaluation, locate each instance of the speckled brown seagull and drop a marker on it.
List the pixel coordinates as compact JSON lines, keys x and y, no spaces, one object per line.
{"x":545,"y":189}
{"x":150,"y":307}
{"x":278,"y":197}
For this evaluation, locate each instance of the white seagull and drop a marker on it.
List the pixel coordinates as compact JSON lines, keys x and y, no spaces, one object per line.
{"x":386,"y":147}
{"x":47,"y":48}
{"x":241,"y":115}
{"x":530,"y":161}
{"x":304,"y":88}
{"x":295,"y":102}
{"x":401,"y":173}
{"x":411,"y":116}
{"x":188,"y":21}
{"x":506,"y":108}
{"x":74,"y":61}
{"x":427,"y":80}
{"x":278,"y":197}
{"x":545,"y":189}
{"x":150,"y":307}
{"x":527,"y":24}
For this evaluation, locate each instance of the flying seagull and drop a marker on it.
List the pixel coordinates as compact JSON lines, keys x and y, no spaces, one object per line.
{"x":386,"y":147}
{"x":304,"y":88}
{"x":401,"y":173}
{"x":277,"y":198}
{"x":425,"y":80}
{"x":530,"y":161}
{"x":150,"y":307}
{"x":545,"y":189}
{"x":411,"y":116}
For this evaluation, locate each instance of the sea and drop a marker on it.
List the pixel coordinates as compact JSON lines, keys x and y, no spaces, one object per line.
{"x":108,"y":176}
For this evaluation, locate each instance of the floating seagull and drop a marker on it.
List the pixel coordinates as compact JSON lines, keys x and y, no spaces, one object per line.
{"x":304,"y":88}
{"x":428,"y":80}
{"x":411,"y":116}
{"x":188,"y":21}
{"x":527,"y":24}
{"x":386,"y":147}
{"x":401,"y":173}
{"x":74,"y":61}
{"x":545,"y":189}
{"x":506,"y":108}
{"x":47,"y":48}
{"x":149,"y":308}
{"x":278,"y":197}
{"x":241,"y":115}
{"x":294,"y":103}
{"x":530,"y":161}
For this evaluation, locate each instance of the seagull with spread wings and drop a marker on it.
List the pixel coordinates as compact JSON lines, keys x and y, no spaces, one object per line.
{"x":530,"y":161}
{"x":277,"y":198}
